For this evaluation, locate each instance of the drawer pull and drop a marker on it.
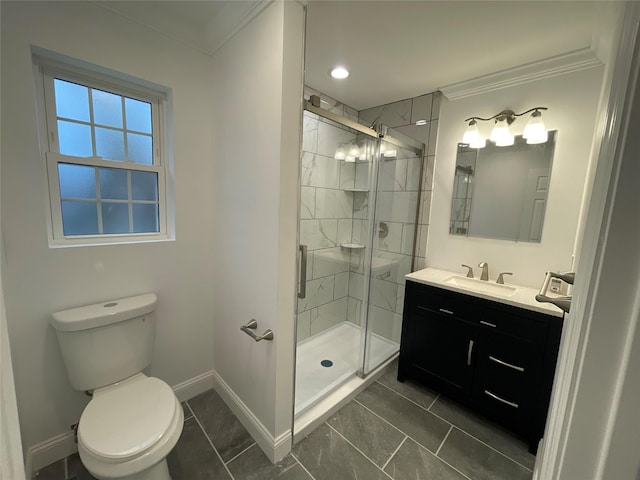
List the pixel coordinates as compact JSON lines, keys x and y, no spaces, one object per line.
{"x":488,"y":324}
{"x":448,"y":312}
{"x":502,"y":362}
{"x":496,"y":397}
{"x":469,"y":352}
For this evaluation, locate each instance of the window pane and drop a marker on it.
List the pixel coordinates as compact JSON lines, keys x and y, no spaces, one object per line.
{"x":113,"y":184}
{"x":79,"y":218}
{"x":74,"y":139}
{"x":72,"y":100}
{"x":145,"y":218}
{"x":138,"y":115}
{"x":107,"y":108}
{"x":144,"y":186}
{"x":115,"y":218}
{"x":140,"y":148}
{"x":110,"y":144}
{"x":77,"y":181}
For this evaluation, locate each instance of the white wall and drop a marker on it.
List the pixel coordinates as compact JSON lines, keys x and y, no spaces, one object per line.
{"x":572,"y":99}
{"x":39,"y":280}
{"x":257,"y":93}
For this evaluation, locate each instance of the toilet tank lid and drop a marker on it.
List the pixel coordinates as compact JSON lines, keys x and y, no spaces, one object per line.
{"x":105,"y":313}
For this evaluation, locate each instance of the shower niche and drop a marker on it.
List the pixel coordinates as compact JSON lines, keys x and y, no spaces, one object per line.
{"x":359,"y":197}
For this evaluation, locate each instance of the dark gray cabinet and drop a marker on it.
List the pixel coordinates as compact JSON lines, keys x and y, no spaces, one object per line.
{"x":494,"y":358}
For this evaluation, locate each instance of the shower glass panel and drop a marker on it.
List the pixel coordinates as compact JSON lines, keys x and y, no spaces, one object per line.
{"x":358,"y":205}
{"x":395,"y":202}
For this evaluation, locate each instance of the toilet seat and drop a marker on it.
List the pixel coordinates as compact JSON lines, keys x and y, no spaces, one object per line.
{"x":129,"y":427}
{"x":125,"y":420}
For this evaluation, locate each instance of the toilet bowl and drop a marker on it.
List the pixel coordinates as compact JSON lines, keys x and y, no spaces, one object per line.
{"x":132,"y":421}
{"x":128,"y":429}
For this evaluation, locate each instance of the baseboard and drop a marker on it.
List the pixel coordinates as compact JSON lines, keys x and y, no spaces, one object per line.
{"x":49,"y":451}
{"x":63,"y":445}
{"x":194,"y":386}
{"x":275,"y":448}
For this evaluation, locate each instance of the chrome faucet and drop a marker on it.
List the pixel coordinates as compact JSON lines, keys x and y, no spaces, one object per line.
{"x":485,"y":271}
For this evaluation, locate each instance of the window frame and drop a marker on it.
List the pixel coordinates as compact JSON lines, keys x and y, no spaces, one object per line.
{"x":98,"y":78}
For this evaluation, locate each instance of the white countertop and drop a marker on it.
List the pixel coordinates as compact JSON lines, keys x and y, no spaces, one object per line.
{"x":523,"y":297}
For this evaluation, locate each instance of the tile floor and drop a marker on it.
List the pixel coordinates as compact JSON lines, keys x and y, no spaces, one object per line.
{"x":391,"y":430}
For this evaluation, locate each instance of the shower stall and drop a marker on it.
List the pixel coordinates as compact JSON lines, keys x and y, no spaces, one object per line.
{"x":359,"y":197}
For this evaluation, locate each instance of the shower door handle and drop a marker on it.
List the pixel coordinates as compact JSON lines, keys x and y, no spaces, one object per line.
{"x":302,"y":287}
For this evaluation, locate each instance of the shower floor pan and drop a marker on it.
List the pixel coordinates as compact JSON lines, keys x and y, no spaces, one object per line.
{"x":341,"y":345}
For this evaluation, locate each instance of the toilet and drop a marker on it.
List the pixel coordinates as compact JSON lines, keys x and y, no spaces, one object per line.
{"x":132,"y":421}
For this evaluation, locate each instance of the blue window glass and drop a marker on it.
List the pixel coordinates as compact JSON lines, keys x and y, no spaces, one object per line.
{"x":113,"y":184}
{"x":77,"y":181}
{"x":145,"y":218}
{"x":74,"y":139}
{"x":79,"y":218}
{"x":140,"y":148}
{"x":107,"y":108}
{"x":72,"y":100}
{"x":110,"y":144}
{"x":138,"y":115}
{"x":115,"y":218}
{"x":144,"y":186}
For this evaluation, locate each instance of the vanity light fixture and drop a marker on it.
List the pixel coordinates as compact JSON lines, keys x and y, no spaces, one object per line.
{"x":534,"y":132}
{"x":421,"y":122}
{"x":339,"y":72}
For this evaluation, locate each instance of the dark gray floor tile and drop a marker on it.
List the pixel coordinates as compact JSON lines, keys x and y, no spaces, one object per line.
{"x":478,"y":461}
{"x":225,"y":431}
{"x":424,"y":427}
{"x":254,"y":465}
{"x":55,"y":471}
{"x":77,"y":470}
{"x":412,"y":462}
{"x":186,"y":410}
{"x":193,"y":458}
{"x":413,"y":391}
{"x":328,"y":456}
{"x":371,"y":435}
{"x":484,"y":430}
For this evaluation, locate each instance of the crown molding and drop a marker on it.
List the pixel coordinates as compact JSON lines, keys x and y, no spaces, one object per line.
{"x":550,"y":67}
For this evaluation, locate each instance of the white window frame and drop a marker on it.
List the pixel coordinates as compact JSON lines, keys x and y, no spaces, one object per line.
{"x":48,"y":69}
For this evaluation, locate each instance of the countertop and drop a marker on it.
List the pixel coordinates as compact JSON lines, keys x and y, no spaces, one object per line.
{"x":523,"y":297}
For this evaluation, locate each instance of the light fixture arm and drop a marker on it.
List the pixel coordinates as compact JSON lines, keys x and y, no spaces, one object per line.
{"x":508,"y":115}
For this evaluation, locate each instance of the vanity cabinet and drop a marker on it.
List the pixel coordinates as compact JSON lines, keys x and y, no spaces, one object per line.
{"x":492,"y":357}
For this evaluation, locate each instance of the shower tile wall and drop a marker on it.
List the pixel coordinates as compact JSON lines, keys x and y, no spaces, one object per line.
{"x":325,"y":220}
{"x":402,"y":116}
{"x":399,"y":189}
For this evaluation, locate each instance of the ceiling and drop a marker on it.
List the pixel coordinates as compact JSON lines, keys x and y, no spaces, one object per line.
{"x":394,"y":49}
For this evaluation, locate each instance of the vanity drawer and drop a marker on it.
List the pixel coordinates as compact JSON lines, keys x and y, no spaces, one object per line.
{"x":513,"y":324}
{"x":422,"y":297}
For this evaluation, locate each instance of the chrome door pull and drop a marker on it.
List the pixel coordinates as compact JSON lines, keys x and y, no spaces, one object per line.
{"x":502,"y":362}
{"x":469,"y":352}
{"x":496,"y":397}
{"x":488,"y":324}
{"x":302,"y":288}
{"x":252,"y":325}
{"x":448,"y":312}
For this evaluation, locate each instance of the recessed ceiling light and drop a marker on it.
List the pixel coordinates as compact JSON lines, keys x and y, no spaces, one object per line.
{"x":339,"y":72}
{"x":421,"y":122}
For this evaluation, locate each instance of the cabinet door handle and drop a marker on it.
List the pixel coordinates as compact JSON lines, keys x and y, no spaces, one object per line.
{"x":488,"y":324}
{"x":469,"y":352}
{"x":496,"y":397}
{"x":448,"y":312}
{"x":502,"y":362}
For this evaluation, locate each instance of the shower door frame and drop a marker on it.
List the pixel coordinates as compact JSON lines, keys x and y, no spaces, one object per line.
{"x":380,"y":133}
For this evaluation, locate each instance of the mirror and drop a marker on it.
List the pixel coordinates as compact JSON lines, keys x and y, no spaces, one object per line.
{"x":501,"y":192}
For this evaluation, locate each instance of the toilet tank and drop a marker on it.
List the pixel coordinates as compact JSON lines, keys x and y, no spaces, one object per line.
{"x":107,"y":342}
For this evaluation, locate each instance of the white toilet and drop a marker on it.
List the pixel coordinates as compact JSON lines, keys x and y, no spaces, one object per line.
{"x":133,"y":421}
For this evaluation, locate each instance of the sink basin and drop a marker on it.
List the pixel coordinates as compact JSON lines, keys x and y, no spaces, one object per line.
{"x":481,"y":286}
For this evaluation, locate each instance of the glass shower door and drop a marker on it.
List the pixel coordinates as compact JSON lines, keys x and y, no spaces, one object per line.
{"x":393,"y":223}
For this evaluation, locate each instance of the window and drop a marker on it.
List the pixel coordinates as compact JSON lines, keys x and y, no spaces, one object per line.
{"x":106,"y":173}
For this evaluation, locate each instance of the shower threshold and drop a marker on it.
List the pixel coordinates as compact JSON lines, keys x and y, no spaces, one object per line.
{"x":341,"y":346}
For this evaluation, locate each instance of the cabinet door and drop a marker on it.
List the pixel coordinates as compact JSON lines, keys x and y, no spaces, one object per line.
{"x":438,"y":349}
{"x":507,"y":371}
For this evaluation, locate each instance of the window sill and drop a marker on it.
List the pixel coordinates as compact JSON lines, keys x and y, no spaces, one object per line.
{"x":115,"y":240}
